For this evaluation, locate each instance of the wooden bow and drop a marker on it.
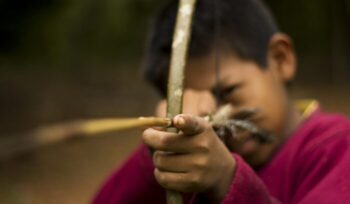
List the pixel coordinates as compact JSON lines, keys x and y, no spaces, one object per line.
{"x":177,"y":70}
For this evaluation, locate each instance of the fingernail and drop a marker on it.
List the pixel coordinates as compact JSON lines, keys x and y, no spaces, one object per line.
{"x":180,"y":121}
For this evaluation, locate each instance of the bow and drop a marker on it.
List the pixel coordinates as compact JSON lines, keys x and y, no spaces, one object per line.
{"x":177,"y":68}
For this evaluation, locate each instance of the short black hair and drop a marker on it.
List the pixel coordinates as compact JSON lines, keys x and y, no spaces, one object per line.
{"x":245,"y":28}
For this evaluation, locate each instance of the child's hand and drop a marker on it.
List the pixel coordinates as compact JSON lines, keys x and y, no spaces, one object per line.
{"x":193,"y":160}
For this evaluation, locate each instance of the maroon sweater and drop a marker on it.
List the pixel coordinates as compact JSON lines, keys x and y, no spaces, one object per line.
{"x":313,"y":166}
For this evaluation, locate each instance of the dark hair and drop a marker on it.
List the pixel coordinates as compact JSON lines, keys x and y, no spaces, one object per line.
{"x":245,"y":29}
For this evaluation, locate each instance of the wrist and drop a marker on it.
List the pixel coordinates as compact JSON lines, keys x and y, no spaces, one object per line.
{"x":219,"y":192}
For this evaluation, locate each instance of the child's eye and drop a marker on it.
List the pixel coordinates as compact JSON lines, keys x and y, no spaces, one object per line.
{"x":226,"y":94}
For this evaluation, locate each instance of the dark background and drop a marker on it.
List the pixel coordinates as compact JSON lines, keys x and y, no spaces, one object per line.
{"x":71,"y":59}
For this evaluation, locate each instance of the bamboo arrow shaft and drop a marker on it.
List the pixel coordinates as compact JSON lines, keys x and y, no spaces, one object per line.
{"x":21,"y":143}
{"x":97,"y":126}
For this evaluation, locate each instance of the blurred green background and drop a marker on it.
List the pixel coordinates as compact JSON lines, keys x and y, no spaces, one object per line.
{"x":65,"y":60}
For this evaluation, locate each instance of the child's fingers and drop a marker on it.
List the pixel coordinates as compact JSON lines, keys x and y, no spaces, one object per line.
{"x":166,"y":141}
{"x":182,"y":182}
{"x":190,"y":125}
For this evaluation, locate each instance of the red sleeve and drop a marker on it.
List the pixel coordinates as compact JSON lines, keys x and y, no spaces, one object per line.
{"x":246,"y":186}
{"x":132,"y":183}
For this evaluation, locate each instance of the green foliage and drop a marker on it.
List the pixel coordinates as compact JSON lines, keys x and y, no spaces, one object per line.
{"x":72,"y":31}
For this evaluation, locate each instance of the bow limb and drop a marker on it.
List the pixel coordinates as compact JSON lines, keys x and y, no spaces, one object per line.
{"x":177,"y":70}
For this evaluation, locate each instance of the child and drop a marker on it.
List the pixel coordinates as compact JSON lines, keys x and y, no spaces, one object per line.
{"x":237,"y":56}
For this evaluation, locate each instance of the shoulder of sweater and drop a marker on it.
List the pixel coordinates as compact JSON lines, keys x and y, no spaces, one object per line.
{"x":321,"y":129}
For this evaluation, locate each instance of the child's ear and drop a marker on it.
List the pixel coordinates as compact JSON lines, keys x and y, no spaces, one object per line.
{"x":282,"y":57}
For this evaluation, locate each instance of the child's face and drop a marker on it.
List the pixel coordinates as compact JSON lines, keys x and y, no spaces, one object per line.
{"x":244,"y":85}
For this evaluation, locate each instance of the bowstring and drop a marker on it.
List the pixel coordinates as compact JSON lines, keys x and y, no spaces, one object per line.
{"x":216,"y":46}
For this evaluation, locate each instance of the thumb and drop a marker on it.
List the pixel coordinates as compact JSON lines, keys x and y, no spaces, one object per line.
{"x":190,"y":125}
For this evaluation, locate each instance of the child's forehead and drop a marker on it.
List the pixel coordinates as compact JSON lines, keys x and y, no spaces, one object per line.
{"x":200,"y":77}
{"x":207,"y":72}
